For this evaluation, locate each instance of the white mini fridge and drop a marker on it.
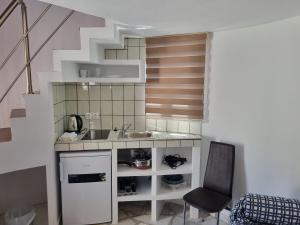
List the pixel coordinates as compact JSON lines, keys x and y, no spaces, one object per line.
{"x":85,"y":187}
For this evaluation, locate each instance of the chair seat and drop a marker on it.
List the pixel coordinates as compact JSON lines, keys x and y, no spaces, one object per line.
{"x":208,"y":200}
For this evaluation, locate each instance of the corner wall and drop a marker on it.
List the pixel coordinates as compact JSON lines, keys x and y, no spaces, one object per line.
{"x":254,"y":101}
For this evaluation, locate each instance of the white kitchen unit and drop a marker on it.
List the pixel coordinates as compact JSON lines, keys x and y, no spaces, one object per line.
{"x":86,"y":187}
{"x":150,"y":186}
{"x":105,"y":71}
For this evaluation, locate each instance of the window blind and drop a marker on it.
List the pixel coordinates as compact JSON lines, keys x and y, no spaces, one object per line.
{"x":175,"y":75}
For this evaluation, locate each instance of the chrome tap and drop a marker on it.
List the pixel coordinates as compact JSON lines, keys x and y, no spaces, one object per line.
{"x":125,"y":129}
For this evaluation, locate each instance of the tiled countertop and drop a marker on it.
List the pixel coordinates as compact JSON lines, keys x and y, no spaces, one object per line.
{"x":158,"y":140}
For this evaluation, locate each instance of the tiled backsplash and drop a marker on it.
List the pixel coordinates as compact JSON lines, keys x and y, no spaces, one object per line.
{"x":59,"y":108}
{"x":134,"y":48}
{"x":116,"y":104}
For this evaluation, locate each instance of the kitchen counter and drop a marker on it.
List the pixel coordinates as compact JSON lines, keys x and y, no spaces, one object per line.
{"x":157,"y":140}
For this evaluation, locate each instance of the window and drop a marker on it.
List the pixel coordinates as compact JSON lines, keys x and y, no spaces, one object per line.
{"x":175,"y":75}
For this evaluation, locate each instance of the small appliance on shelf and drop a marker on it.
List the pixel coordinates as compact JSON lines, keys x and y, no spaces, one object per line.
{"x":174,"y":181}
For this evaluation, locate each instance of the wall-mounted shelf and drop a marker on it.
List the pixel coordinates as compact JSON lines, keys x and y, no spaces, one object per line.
{"x":105,"y":71}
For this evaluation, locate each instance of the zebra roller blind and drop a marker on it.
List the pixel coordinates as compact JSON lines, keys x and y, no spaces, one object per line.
{"x":175,"y":75}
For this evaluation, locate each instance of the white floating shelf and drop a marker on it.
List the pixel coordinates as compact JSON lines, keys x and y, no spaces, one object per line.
{"x":126,"y":171}
{"x":183,"y":169}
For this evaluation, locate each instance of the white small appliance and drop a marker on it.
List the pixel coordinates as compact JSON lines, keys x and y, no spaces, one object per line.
{"x":86,"y":187}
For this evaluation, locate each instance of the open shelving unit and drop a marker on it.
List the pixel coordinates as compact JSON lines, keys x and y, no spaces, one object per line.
{"x":105,"y":71}
{"x":154,"y":189}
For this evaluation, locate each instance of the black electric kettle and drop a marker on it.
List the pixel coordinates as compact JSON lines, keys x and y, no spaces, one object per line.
{"x":74,"y":123}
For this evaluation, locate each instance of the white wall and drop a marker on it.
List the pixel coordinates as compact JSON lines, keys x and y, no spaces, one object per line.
{"x":17,"y":188}
{"x":254,"y":101}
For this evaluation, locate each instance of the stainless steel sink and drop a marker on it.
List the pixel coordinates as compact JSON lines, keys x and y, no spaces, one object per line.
{"x":134,"y":134}
{"x":96,"y":135}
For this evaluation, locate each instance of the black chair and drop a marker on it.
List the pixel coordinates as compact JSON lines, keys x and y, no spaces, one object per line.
{"x":216,"y":192}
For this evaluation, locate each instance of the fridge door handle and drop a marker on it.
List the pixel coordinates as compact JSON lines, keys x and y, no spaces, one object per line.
{"x":61,"y":172}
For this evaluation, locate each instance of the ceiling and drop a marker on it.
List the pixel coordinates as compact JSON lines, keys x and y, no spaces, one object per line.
{"x":161,"y":17}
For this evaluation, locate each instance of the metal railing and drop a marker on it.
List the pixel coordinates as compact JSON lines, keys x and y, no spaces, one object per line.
{"x":28,"y":59}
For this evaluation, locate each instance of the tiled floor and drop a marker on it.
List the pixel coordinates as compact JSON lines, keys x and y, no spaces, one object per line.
{"x":41,"y":215}
{"x":138,"y":213}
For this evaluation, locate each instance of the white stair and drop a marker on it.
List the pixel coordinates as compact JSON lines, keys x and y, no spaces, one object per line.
{"x":30,"y":140}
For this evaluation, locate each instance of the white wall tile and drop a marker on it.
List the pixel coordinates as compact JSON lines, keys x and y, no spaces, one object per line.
{"x":83,"y":107}
{"x":90,"y":146}
{"x":129,"y":92}
{"x":129,"y":120}
{"x":83,"y":92}
{"x":95,"y":106}
{"x":146,"y":144}
{"x":160,"y":144}
{"x":117,"y":92}
{"x":150,"y":124}
{"x":183,"y":126}
{"x":95,"y":92}
{"x":140,"y":123}
{"x":133,"y":52}
{"x":71,"y":92}
{"x":106,"y":108}
{"x":121,"y":54}
{"x":106,"y":122}
{"x":139,"y":108}
{"x":161,"y":125}
{"x":172,"y":125}
{"x":133,"y":144}
{"x":71,"y":107}
{"x":106,"y":92}
{"x":133,"y":42}
{"x":105,"y":145}
{"x":118,"y":108}
{"x":140,"y":92}
{"x":195,"y":127}
{"x":111,"y":54}
{"x":117,"y":122}
{"x":128,"y":108}
{"x":95,"y":124}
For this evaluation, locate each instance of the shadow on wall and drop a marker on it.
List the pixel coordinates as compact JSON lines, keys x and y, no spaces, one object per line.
{"x":239,"y":182}
{"x":21,"y":188}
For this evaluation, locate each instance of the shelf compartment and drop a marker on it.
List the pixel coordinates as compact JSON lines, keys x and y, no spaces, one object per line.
{"x":124,"y":170}
{"x":143,"y":190}
{"x":164,"y":169}
{"x":166,"y":193}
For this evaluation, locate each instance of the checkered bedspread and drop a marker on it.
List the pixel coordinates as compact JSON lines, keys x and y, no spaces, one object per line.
{"x":261,"y":209}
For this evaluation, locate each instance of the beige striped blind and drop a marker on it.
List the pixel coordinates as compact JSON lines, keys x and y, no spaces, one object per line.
{"x":175,"y":75}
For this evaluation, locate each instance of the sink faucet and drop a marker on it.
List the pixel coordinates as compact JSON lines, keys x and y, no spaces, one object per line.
{"x":125,"y":129}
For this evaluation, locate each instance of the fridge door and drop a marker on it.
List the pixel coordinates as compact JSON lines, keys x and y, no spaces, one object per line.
{"x":86,"y":189}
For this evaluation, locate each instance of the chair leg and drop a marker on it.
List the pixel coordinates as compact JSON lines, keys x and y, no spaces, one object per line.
{"x":218,"y":218}
{"x":184,"y":213}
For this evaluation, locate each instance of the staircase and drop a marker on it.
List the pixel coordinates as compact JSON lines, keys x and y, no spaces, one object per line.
{"x":33,"y":126}
{"x":29,"y":142}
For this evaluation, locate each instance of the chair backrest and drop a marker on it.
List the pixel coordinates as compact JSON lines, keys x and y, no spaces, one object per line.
{"x":220,"y":168}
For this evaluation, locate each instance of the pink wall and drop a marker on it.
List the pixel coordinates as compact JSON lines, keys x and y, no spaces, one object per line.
{"x":66,"y":38}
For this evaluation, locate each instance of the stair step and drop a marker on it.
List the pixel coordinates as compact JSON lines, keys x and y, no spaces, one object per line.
{"x":5,"y":134}
{"x":18,"y":113}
